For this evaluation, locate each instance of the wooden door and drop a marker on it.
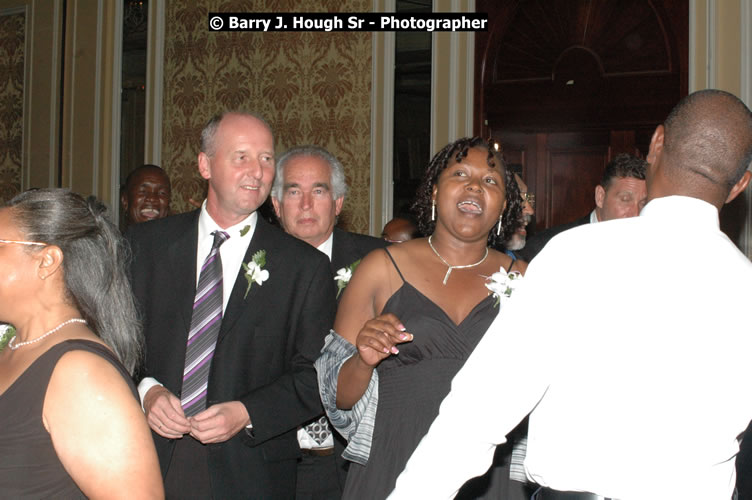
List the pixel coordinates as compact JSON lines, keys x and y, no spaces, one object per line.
{"x":565,"y":85}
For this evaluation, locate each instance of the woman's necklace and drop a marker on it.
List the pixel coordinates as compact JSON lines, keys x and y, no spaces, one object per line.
{"x":13,"y":346}
{"x":452,"y":268}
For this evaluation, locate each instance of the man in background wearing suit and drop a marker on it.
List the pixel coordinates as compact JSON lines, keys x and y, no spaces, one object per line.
{"x":308,"y":195}
{"x":234,"y":311}
{"x":622,"y":193}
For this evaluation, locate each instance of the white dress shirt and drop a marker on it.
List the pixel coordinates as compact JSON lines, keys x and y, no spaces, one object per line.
{"x":637,"y":374}
{"x":593,"y":217}
{"x":231,"y":252}
{"x":304,"y":439}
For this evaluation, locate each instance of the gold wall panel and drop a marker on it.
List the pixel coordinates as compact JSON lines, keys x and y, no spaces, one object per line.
{"x":12,"y":32}
{"x":312,"y":88}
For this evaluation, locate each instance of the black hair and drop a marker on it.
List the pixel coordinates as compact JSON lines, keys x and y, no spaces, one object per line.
{"x":624,"y":165}
{"x":147,"y":166}
{"x":709,"y":133}
{"x":95,"y":256}
{"x":455,"y":152}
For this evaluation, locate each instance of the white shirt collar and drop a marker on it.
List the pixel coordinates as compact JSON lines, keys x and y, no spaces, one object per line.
{"x":232,"y":251}
{"x":327,"y":246}
{"x":207,"y":225}
{"x":682,"y":209}
{"x":593,"y":217}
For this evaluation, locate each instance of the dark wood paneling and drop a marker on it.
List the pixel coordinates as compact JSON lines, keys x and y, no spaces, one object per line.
{"x":565,"y":85}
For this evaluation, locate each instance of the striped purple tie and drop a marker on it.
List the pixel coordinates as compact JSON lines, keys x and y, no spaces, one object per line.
{"x":205,"y":323}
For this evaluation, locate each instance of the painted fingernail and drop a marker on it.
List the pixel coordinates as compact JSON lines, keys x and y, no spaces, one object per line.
{"x":385,"y":350}
{"x":395,"y":350}
{"x":404,"y":336}
{"x":401,"y":327}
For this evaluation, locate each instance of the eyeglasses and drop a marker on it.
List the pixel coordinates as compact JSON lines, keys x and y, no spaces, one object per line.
{"x":27,"y":243}
{"x":528,"y":197}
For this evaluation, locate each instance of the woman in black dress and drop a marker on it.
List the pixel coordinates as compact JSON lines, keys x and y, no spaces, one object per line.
{"x":72,"y":425}
{"x":415,"y":311}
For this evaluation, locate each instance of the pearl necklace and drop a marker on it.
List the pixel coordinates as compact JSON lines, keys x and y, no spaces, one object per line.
{"x":13,"y":346}
{"x":452,"y":268}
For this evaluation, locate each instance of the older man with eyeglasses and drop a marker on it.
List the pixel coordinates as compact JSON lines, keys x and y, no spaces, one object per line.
{"x":518,"y":239}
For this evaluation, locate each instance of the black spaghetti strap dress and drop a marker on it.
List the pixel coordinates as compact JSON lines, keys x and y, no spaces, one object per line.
{"x":29,"y":466}
{"x":413,"y":383}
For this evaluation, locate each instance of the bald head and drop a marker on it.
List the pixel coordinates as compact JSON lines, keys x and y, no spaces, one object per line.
{"x":703,"y":149}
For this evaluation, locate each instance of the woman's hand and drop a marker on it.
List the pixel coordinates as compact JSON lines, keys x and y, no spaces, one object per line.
{"x":379,"y":337}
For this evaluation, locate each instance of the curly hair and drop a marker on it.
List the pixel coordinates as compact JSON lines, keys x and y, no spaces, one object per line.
{"x":456,"y":152}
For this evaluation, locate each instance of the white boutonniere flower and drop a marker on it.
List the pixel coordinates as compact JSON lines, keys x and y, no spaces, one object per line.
{"x":254,"y":272}
{"x":7,"y":332}
{"x":344,"y":275}
{"x":502,"y":284}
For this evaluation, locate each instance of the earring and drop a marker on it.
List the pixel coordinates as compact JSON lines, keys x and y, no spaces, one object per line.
{"x":498,"y":228}
{"x":433,"y":210}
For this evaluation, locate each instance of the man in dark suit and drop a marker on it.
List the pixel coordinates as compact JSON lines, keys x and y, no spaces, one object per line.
{"x":232,"y":434}
{"x":308,"y":195}
{"x":622,"y":193}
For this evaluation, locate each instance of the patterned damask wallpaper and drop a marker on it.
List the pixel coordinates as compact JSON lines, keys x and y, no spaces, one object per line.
{"x":313,"y":88}
{"x":11,"y":104}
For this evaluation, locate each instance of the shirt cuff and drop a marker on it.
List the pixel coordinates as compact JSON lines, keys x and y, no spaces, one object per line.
{"x":144,"y":386}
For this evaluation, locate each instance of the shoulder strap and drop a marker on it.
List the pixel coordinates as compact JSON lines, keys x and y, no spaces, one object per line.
{"x":511,"y":265}
{"x":101,"y":351}
{"x":394,"y":264}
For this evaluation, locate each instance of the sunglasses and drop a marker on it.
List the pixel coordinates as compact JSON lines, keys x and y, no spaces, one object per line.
{"x":27,"y":243}
{"x":529,"y":197}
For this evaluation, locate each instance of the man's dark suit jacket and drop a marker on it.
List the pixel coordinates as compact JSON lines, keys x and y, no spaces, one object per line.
{"x":346,"y":249}
{"x":536,"y":243}
{"x":264,"y":354}
{"x":349,"y":247}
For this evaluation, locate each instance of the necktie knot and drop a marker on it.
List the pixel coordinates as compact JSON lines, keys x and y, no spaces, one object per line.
{"x":219,"y":238}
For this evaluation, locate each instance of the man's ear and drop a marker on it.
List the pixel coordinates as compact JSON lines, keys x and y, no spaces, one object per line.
{"x":656,"y":144}
{"x":338,"y":203}
{"x":51,"y":258}
{"x":204,"y":166}
{"x":124,"y":200}
{"x":600,"y":195}
{"x":739,"y":186}
{"x":275,"y":204}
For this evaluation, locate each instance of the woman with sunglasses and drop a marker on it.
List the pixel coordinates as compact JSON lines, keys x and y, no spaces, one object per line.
{"x":72,"y":426}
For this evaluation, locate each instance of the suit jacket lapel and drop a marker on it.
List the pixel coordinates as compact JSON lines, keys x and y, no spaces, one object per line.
{"x":182,"y":262}
{"x":342,"y":251}
{"x":239,"y":301}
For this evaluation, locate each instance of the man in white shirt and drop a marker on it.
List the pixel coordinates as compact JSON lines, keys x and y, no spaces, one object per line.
{"x":308,"y":194}
{"x":622,"y":193}
{"x":636,"y":386}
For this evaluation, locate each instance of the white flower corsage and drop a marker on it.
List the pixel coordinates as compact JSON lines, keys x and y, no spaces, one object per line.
{"x":7,"y":332}
{"x":343,"y":276}
{"x":254,"y":272}
{"x":502,"y":284}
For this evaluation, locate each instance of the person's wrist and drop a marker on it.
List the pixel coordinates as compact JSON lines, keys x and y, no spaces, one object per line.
{"x":361,"y":365}
{"x":152,"y":395}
